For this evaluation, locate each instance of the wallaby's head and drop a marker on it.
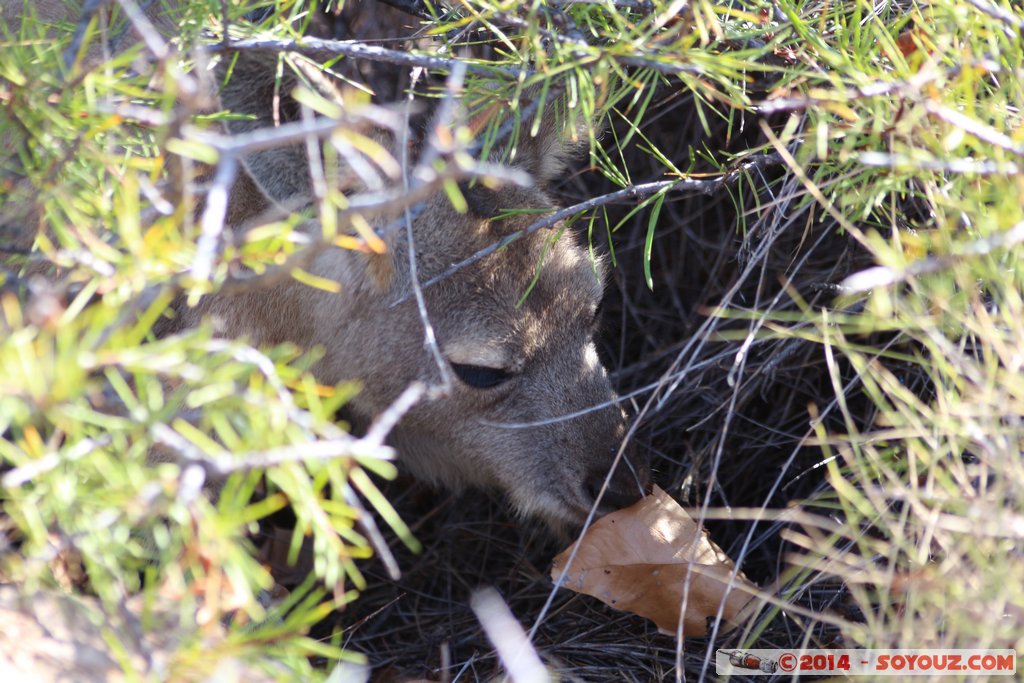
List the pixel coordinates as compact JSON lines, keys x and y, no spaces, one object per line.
{"x":531,"y":410}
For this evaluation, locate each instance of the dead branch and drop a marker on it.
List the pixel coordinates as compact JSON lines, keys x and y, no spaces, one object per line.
{"x":642,"y":191}
{"x":320,"y":48}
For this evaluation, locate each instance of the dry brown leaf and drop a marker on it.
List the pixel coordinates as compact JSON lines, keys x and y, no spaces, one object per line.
{"x":638,"y":559}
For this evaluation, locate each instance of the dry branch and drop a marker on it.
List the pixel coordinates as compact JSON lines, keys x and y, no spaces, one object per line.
{"x":634,"y":192}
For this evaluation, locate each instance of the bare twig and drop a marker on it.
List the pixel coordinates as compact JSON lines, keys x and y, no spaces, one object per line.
{"x":644,"y":6}
{"x":949,"y":165}
{"x":316,"y":47}
{"x":442,"y":118}
{"x":512,"y":645}
{"x":976,"y":128}
{"x":418,"y":8}
{"x":144,"y":27}
{"x":1013,"y":22}
{"x":586,"y":53}
{"x":641,"y":191}
{"x":221,"y":466}
{"x":386,"y":421}
{"x":884,"y":276}
{"x":299,"y":131}
{"x":911,"y":86}
{"x":392,"y":200}
{"x":211,"y":226}
{"x":34,"y":468}
{"x":231,"y":149}
{"x":369,"y":526}
{"x":226,"y":21}
{"x":317,"y":176}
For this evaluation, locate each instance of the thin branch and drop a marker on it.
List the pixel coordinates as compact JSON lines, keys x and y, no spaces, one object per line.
{"x":442,"y":120}
{"x":386,"y":421}
{"x":911,"y":86}
{"x":513,"y":646}
{"x":586,"y":53}
{"x":418,"y":8}
{"x":231,"y":149}
{"x":393,"y":200}
{"x":34,"y":468}
{"x":316,"y":47}
{"x":225,"y":19}
{"x":949,"y":165}
{"x":884,"y":276}
{"x":211,"y":226}
{"x":369,"y":526}
{"x":321,"y":48}
{"x":642,"y":191}
{"x":976,"y":128}
{"x":644,"y":6}
{"x":296,"y":132}
{"x":222,"y":466}
{"x":155,"y":43}
{"x":1014,"y":24}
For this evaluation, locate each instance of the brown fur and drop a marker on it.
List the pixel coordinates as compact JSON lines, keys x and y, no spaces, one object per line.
{"x":545,"y":345}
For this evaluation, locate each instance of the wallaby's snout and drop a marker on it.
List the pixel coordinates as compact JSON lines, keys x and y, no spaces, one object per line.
{"x":621,"y":487}
{"x":601,"y":474}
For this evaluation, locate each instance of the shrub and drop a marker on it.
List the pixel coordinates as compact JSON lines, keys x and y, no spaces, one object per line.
{"x":815,"y":213}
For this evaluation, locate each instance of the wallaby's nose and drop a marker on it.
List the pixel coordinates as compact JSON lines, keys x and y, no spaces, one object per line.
{"x":627,"y":485}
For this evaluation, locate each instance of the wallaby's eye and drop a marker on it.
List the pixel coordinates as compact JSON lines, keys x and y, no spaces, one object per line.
{"x":481,"y":376}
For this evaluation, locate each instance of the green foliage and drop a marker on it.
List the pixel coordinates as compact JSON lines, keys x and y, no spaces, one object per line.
{"x":901,"y":123}
{"x":108,"y":435}
{"x":903,"y":128}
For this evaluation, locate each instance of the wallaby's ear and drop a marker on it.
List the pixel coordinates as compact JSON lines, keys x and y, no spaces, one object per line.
{"x":558,"y":140}
{"x":257,"y":90}
{"x":543,"y":141}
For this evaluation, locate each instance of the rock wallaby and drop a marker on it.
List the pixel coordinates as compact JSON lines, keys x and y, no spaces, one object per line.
{"x":514,"y":360}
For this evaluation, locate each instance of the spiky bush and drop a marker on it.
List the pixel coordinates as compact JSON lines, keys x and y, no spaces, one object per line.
{"x":815,"y":212}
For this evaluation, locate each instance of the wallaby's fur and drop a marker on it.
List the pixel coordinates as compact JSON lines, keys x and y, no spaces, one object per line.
{"x":543,"y":350}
